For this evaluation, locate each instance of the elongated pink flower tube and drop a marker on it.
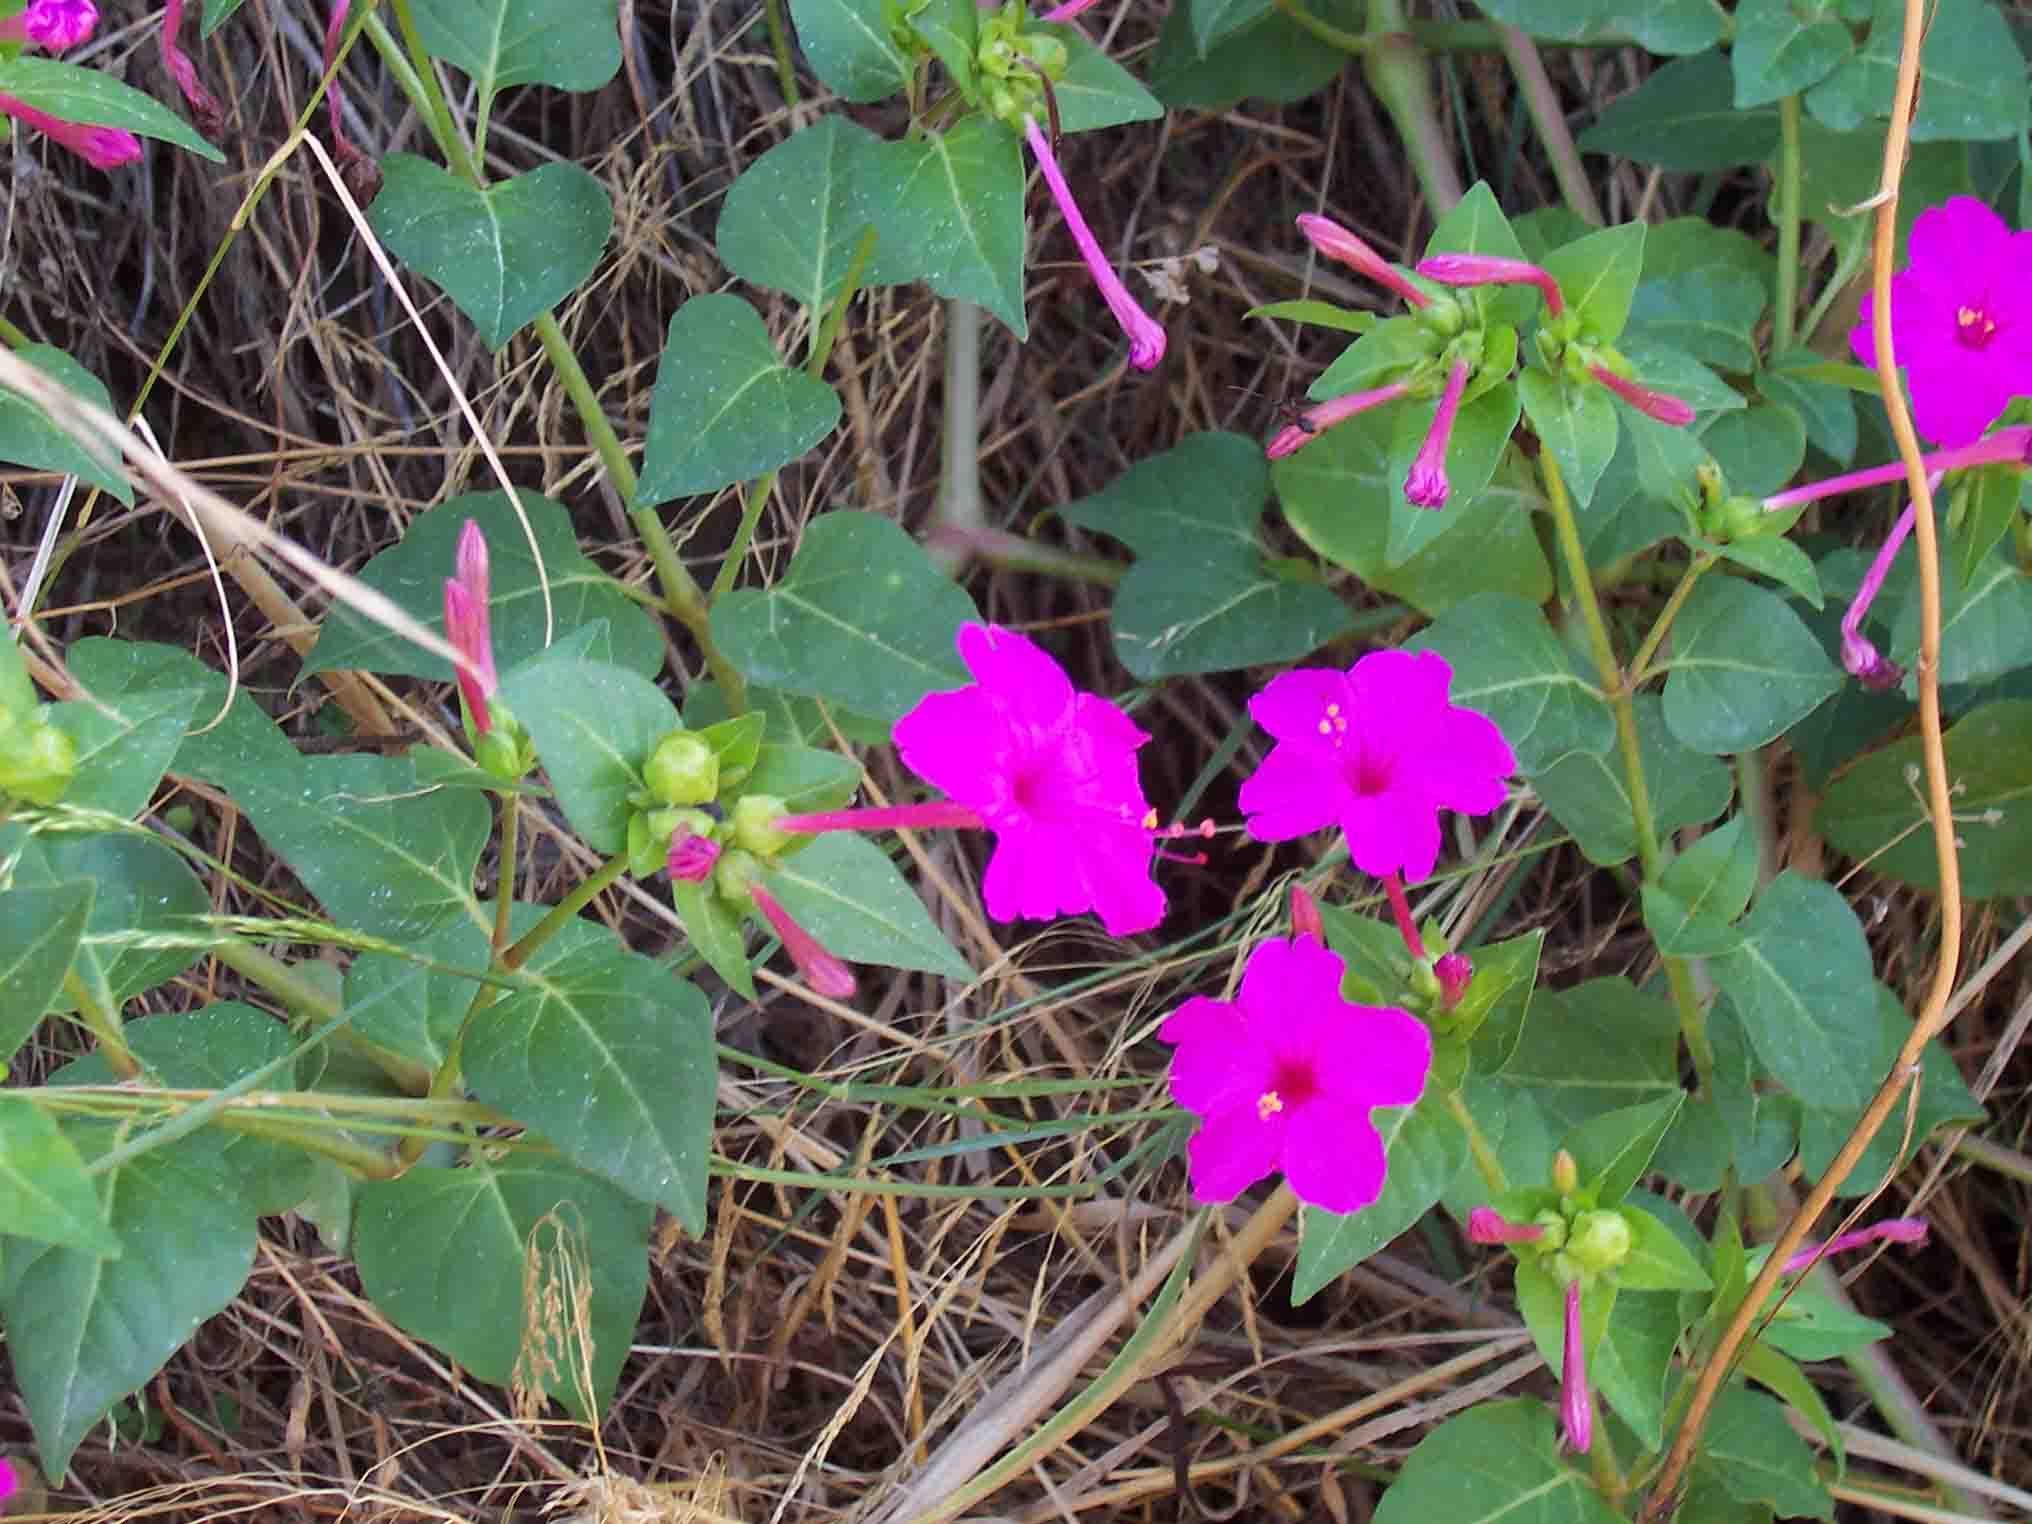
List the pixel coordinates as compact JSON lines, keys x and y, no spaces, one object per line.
{"x":105,"y":147}
{"x":1492,"y":270}
{"x":1486,"y":1225}
{"x":52,"y":25}
{"x":1067,"y":11}
{"x":1576,"y":1406}
{"x":204,"y":106}
{"x":1146,"y":337}
{"x":1860,"y":658}
{"x":1897,"y":1230}
{"x":1666,"y":409}
{"x":821,"y":970}
{"x":1426,"y":483}
{"x":335,"y":99}
{"x":1325,"y":415}
{"x":2013,"y":444}
{"x":1336,"y":242}
{"x":469,"y":627}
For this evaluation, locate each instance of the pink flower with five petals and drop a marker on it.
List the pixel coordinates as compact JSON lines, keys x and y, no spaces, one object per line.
{"x":1961,"y":320}
{"x":1379,"y":750}
{"x":1284,"y":1077}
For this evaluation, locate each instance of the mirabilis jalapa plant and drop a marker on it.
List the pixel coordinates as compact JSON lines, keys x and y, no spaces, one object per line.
{"x":511,"y":1063}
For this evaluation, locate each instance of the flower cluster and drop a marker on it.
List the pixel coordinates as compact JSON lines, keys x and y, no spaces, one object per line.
{"x":1460,"y":351}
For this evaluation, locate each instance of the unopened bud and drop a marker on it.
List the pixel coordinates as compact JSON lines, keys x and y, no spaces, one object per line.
{"x":735,"y":876}
{"x":1454,"y":972}
{"x":1600,"y":1240}
{"x":652,"y":833}
{"x":1305,"y":921}
{"x":683,"y":770}
{"x":1565,"y":1173}
{"x":755,"y":817}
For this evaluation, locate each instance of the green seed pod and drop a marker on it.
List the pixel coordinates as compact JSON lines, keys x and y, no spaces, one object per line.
{"x":683,"y":770}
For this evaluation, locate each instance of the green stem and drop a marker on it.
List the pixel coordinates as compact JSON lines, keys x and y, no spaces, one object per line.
{"x":504,"y":881}
{"x":367,"y":1163}
{"x":1401,"y":76}
{"x":1485,"y":1157}
{"x":957,"y":517}
{"x":303,"y":997}
{"x":1621,"y":694}
{"x":1542,"y":101}
{"x":422,"y":75}
{"x":564,"y":911}
{"x":105,"y":1026}
{"x":1782,"y":329}
{"x":1640,"y":664}
{"x":779,"y":44}
{"x":1011,"y":552}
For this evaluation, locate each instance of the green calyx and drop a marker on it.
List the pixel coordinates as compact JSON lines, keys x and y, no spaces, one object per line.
{"x":651,"y":833}
{"x":754,"y":825}
{"x":505,"y":751}
{"x":1599,"y":1240}
{"x":734,"y":878}
{"x":683,"y":770}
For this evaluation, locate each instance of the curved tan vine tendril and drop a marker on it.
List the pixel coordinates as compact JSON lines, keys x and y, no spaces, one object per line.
{"x":1934,"y":1014}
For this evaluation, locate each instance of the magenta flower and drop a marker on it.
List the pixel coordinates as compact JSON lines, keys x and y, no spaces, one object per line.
{"x":204,"y":106}
{"x":1666,"y":409}
{"x":821,"y":970}
{"x":1284,"y":1078}
{"x":1961,"y":320}
{"x":469,"y":627}
{"x":1051,"y":771}
{"x":1492,"y":270}
{"x":1899,"y":1230}
{"x":1426,"y":483}
{"x":1146,"y":338}
{"x":1576,"y":1406}
{"x":1378,"y":750}
{"x":102,"y":147}
{"x":1326,"y":414}
{"x":1336,"y":242}
{"x":1486,"y":1225}
{"x":692,"y":857}
{"x":52,"y":25}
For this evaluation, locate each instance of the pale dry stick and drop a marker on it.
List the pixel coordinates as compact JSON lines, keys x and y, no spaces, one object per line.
{"x":1933,"y":1014}
{"x":1870,"y":1445}
{"x":229,"y":526}
{"x":444,"y":370}
{"x":147,"y":432}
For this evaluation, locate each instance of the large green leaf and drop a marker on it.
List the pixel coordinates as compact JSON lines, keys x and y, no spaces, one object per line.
{"x":1427,"y":1148}
{"x":143,"y":889}
{"x":1202,"y":597}
{"x":1276,"y":60}
{"x":413,"y":572}
{"x":845,"y":891}
{"x":1576,"y":422}
{"x":1337,"y":493}
{"x":1598,"y":275}
{"x":1779,"y":53}
{"x":1499,"y":1461}
{"x":793,"y":221}
{"x":45,"y":1193}
{"x":28,"y":438}
{"x":1759,"y":448}
{"x":40,"y":925}
{"x":505,"y":254}
{"x":383,"y":852}
{"x":1587,"y":793}
{"x":1481,"y":434}
{"x":948,"y":210}
{"x":82,"y":1330}
{"x":1871,"y":812}
{"x":1630,"y":1366}
{"x":1659,"y":26}
{"x":1095,"y":91}
{"x":94,"y":96}
{"x":610,"y":1056}
{"x":572,"y":44}
{"x":1757,"y":1458}
{"x":1592,"y":1049}
{"x":1985,"y":623}
{"x":1974,"y":73}
{"x":1509,"y":665}
{"x":851,"y":48}
{"x":862,"y":619}
{"x":594,"y":726}
{"x":1744,"y":668}
{"x":232,"y":752}
{"x":726,"y":408}
{"x":1802,"y":985}
{"x":441,"y":1252}
{"x":123,"y":747}
{"x":1681,"y":118}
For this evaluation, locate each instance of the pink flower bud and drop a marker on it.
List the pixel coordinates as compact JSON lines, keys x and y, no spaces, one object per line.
{"x":1651,"y":404}
{"x":1336,"y":242}
{"x":1576,"y":1406}
{"x":205,"y":109}
{"x":1146,"y":337}
{"x":692,"y":857}
{"x":1305,"y":921}
{"x":469,"y":626}
{"x":1326,"y":414}
{"x":821,"y":970}
{"x":1492,"y":270}
{"x":1455,"y":972}
{"x":52,"y":25}
{"x":1486,"y":1225}
{"x":1426,"y":483}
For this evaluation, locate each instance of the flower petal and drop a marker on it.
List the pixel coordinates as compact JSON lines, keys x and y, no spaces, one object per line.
{"x":1030,"y":686}
{"x":1390,"y":833}
{"x":1377,"y":1055}
{"x":1292,"y":705}
{"x":1219,"y":1066}
{"x":1298,"y":790}
{"x":1333,"y":1157}
{"x":1232,"y":1151}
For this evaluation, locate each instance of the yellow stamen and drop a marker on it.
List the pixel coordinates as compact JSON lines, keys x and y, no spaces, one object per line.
{"x":1268,"y":1104}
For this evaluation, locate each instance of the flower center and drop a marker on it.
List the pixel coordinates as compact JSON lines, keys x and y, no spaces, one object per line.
{"x":1291,"y":1084}
{"x":1974,"y":327}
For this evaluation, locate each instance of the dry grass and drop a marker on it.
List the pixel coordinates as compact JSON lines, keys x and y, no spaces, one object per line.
{"x":804,"y":1361}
